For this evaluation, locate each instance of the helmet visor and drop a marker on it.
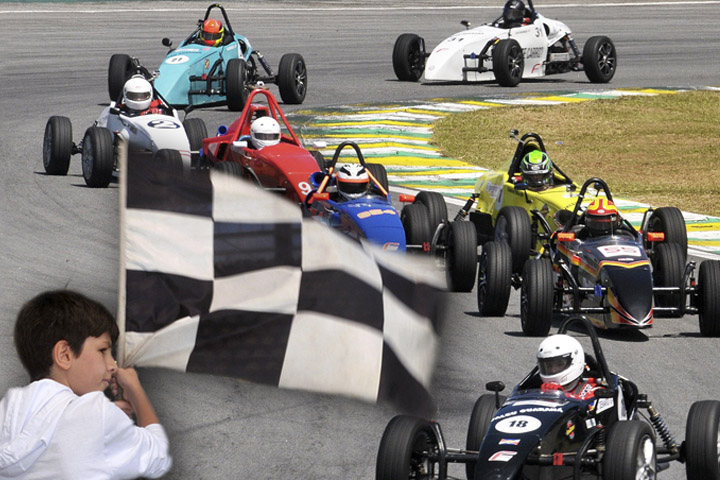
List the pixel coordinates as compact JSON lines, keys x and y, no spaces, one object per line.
{"x":212,"y":35}
{"x":353,"y":188}
{"x":138,"y":96}
{"x":535,"y":179}
{"x":554,"y":365}
{"x":267,"y":136}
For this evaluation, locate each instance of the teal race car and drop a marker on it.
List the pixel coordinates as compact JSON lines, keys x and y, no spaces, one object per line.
{"x":198,"y":75}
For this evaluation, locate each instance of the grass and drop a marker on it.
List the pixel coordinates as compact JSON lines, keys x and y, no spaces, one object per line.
{"x":662,"y":150}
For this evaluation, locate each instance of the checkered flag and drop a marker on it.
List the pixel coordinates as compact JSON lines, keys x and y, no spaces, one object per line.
{"x":223,"y":278}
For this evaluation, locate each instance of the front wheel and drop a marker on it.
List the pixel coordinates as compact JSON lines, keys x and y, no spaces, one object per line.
{"x":512,"y":226}
{"x":292,"y":78}
{"x":536,"y":297}
{"x":702,"y":449}
{"x":196,"y":132}
{"x":669,"y":221}
{"x":98,"y":157}
{"x":630,"y":452}
{"x":380,"y":173}
{"x":508,"y":62}
{"x":482,"y":414}
{"x":494,"y":279}
{"x":709,"y":298}
{"x":408,"y":450}
{"x":409,"y":57}
{"x":668,"y":264}
{"x":119,"y":71}
{"x":236,"y":84}
{"x":599,"y":59}
{"x":414,"y":218}
{"x":57,"y":145}
{"x":461,"y":256}
{"x":437,"y":209}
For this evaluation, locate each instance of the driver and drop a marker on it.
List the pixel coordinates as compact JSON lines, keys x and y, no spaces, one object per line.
{"x":536,"y":169}
{"x":138,"y":97}
{"x":352,"y":180}
{"x":264,"y":132}
{"x":211,"y":33}
{"x":514,"y":14}
{"x":561,"y":361}
{"x":602,"y":217}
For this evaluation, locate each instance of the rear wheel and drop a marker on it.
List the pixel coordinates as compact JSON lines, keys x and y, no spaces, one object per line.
{"x":231,"y":168}
{"x":599,"y":59}
{"x":508,"y":62}
{"x":630,"y":452}
{"x":119,"y":72}
{"x":292,"y":78}
{"x":408,"y":450}
{"x":196,"y":132}
{"x":414,"y":218}
{"x":437,"y":210}
{"x":461,"y":256}
{"x":494,"y":279}
{"x":709,"y":298}
{"x":57,"y":145}
{"x":536,"y":297}
{"x":236,"y":84}
{"x":408,"y":57}
{"x":378,"y":171}
{"x":169,"y":159}
{"x":670,"y":221}
{"x":482,"y":414}
{"x":668,"y":265}
{"x":512,"y":226}
{"x":702,"y":441}
{"x":98,"y":157}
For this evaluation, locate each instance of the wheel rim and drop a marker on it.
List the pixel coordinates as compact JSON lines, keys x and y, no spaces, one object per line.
{"x":482,"y":281}
{"x":421,"y":467}
{"x":606,"y":59}
{"x":645,"y":460}
{"x":88,"y":158}
{"x":416,"y":60}
{"x":47,"y":146}
{"x":300,"y":78}
{"x":717,"y":446}
{"x":515,"y":62}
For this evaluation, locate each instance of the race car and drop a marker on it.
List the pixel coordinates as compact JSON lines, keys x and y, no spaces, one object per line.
{"x":198,"y":75}
{"x":615,"y":434}
{"x":618,"y":276}
{"x":421,"y":226}
{"x":161,"y":134}
{"x":518,"y":45}
{"x":284,"y":168}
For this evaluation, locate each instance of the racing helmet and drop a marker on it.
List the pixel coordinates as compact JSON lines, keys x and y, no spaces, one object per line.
{"x":352,"y":180}
{"x":514,"y":11}
{"x":212,"y":32}
{"x":560,"y":359}
{"x":265,"y":131}
{"x":536,"y":169}
{"x":602,"y":217}
{"x":137,"y":93}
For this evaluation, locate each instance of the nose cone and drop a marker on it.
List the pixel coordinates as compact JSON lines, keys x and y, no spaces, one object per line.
{"x":630,"y":294}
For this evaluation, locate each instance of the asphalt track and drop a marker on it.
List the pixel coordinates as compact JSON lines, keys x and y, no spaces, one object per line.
{"x":54,"y":232}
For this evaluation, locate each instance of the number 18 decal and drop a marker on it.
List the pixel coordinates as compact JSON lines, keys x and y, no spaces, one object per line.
{"x":518,"y":424}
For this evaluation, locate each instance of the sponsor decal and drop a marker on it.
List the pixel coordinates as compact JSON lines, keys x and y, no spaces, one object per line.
{"x":392,"y":246}
{"x":207,"y":64}
{"x":232,"y":47}
{"x":177,"y":60}
{"x":605,"y":404}
{"x":376,"y":211}
{"x":519,"y":424}
{"x":619,"y":251}
{"x":590,"y":423}
{"x":570,"y":430}
{"x":539,"y":403}
{"x":533,"y":52}
{"x":163,"y":124}
{"x":509,"y":441}
{"x":502,"y":456}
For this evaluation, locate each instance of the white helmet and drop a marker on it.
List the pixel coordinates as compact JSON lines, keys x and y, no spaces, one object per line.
{"x":561,"y":359}
{"x":137,"y":93}
{"x":265,"y":131}
{"x":352,"y":180}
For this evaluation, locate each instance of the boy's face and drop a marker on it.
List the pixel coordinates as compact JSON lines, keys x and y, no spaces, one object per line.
{"x":92,"y":370}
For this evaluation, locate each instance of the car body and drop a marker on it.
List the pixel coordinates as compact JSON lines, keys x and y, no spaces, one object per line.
{"x":196,"y":75}
{"x":540,"y":433}
{"x":492,"y":53}
{"x":115,"y":128}
{"x":621,"y":279}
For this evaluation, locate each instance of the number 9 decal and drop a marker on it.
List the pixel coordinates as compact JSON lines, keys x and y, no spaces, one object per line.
{"x":305,"y":187}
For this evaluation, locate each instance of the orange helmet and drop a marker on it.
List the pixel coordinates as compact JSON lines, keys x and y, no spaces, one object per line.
{"x":212,"y":32}
{"x":602,"y":216}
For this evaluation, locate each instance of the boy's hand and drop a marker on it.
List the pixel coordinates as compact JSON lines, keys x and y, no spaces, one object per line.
{"x":125,"y":406}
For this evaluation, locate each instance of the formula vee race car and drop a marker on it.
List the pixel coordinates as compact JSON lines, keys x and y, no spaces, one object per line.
{"x":538,"y":433}
{"x":199,"y":75}
{"x":421,"y":226}
{"x":619,"y":277}
{"x":518,"y":45}
{"x":162,"y":135}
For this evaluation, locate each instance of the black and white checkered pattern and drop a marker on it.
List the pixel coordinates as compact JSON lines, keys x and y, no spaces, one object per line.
{"x":226,"y":279}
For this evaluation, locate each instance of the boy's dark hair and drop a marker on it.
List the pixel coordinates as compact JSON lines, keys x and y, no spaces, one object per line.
{"x":58,"y":315}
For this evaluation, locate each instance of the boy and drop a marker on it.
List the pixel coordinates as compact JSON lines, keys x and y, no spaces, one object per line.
{"x":62,"y":426}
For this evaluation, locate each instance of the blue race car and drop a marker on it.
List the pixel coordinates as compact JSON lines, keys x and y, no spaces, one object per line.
{"x":196,"y":74}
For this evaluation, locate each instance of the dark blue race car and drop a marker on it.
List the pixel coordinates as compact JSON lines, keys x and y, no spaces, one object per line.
{"x":197,"y":75}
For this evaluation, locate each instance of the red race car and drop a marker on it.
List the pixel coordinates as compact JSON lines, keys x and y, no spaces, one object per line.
{"x":262,"y":147}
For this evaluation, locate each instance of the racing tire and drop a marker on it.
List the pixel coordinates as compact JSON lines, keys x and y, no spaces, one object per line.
{"x":57,"y":145}
{"x":404,"y":450}
{"x":512,"y":226}
{"x":119,"y":71}
{"x":196,"y":132}
{"x":461,"y":256}
{"x":709,"y":298}
{"x":98,"y":157}
{"x":231,"y":168}
{"x":378,"y":171}
{"x":414,"y":218}
{"x":701,"y":441}
{"x":292,"y":78}
{"x":494,"y":279}
{"x":437,"y":210}
{"x":668,"y":266}
{"x":536,"y":297}
{"x":670,"y":221}
{"x":599,"y":59}
{"x":630,"y":451}
{"x":236,"y":87}
{"x":169,"y":159}
{"x":508,"y":62}
{"x":408,"y":57}
{"x":482,"y":414}
{"x":320,"y":159}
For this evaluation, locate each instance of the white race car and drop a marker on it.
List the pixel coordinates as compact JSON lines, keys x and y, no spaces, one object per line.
{"x":160,"y":134}
{"x":519,"y":44}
